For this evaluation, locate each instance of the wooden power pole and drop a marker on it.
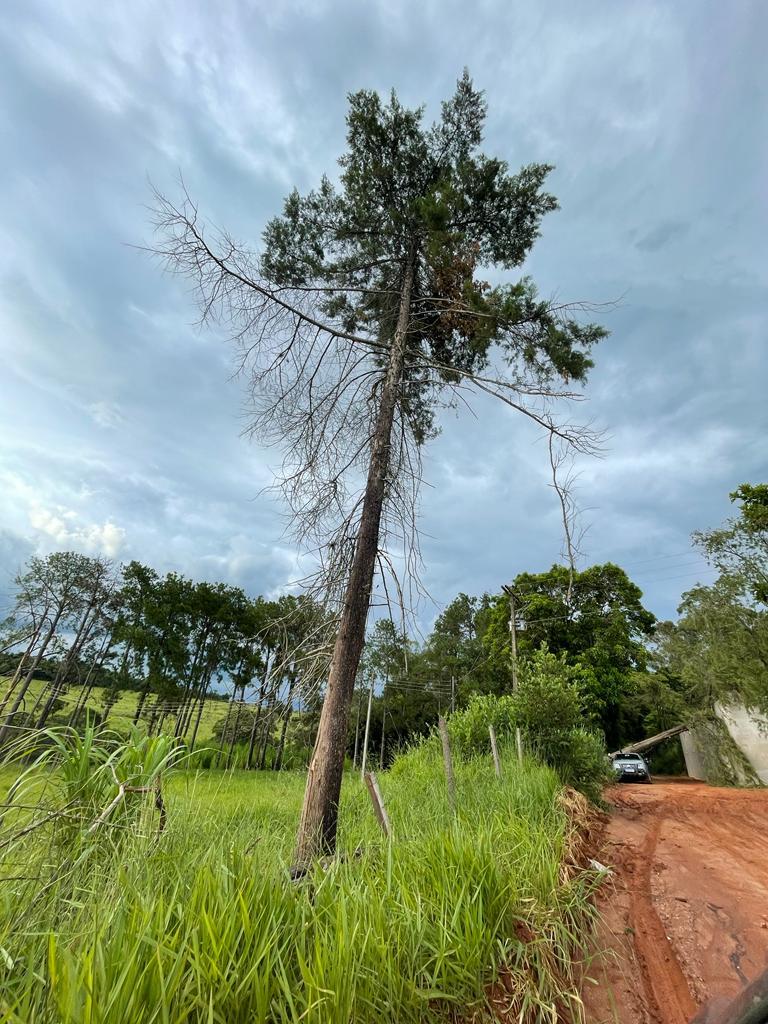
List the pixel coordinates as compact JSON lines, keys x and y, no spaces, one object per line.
{"x":513,"y":646}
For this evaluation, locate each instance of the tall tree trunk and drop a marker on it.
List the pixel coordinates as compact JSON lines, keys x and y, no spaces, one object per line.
{"x":227,"y":726}
{"x":28,"y":678}
{"x":278,"y":762}
{"x":140,"y":703}
{"x":87,"y":686}
{"x":267,"y":727}
{"x":357,"y":735}
{"x":61,"y":677}
{"x":320,"y":813}
{"x":19,"y":669}
{"x":257,"y":713}
{"x":234,"y":729}
{"x":205,"y":686}
{"x":191,"y":688}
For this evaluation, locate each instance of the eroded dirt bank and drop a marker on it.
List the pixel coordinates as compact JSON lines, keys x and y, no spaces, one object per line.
{"x":686,"y":913}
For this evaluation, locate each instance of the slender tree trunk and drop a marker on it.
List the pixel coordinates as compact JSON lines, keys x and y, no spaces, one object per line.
{"x":140,"y":701}
{"x":267,"y":728}
{"x":87,"y":686}
{"x":319,"y":816}
{"x":357,"y":735}
{"x":19,"y":669}
{"x":367,"y":728}
{"x":257,"y":713}
{"x":61,"y":677}
{"x":200,"y":712}
{"x":278,"y":763}
{"x":235,"y":729}
{"x":28,"y":678}
{"x":227,"y":726}
{"x":187,"y":703}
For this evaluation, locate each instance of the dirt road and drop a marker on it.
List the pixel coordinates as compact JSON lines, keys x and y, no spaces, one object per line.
{"x":686,"y":912}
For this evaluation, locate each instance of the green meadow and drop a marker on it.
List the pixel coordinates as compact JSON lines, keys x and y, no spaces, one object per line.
{"x":108,"y":920}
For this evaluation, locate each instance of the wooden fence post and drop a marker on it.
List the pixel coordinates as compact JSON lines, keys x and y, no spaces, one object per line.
{"x":378,"y":803}
{"x":495,"y":751}
{"x":449,"y":779}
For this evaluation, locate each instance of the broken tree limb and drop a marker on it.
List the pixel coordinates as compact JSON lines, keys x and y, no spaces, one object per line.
{"x":651,"y":741}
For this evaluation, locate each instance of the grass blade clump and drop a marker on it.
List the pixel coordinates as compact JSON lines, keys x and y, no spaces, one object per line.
{"x":202,"y":924}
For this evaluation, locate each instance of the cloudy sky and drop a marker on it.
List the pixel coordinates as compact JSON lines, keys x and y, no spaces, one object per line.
{"x":119,"y":421}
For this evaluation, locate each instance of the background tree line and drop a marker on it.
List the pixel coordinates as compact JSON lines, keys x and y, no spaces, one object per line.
{"x":91,"y":631}
{"x":636,"y":676}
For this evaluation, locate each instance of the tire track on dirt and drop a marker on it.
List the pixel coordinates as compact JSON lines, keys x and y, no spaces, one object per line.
{"x":684,"y":917}
{"x":668,"y":996}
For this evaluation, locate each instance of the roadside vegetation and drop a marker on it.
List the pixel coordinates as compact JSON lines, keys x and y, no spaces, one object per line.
{"x":109,"y":919}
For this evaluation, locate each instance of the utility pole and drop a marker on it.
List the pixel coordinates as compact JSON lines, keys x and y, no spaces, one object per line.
{"x":453,"y":693}
{"x":513,"y":646}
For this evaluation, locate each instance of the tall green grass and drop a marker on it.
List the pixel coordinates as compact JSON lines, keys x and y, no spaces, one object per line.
{"x":204,"y":924}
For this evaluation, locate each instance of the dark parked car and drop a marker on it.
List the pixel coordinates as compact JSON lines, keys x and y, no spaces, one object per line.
{"x":631,"y":768}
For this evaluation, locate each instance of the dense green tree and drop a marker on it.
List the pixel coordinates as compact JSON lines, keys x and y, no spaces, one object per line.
{"x":455,"y":650}
{"x":595,"y":617}
{"x":718,"y":648}
{"x":56,"y":596}
{"x":716,"y":652}
{"x":739,"y":549}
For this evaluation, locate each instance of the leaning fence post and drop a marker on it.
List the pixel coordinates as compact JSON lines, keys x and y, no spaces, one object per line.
{"x":449,"y":779}
{"x":495,"y":751}
{"x":378,"y":803}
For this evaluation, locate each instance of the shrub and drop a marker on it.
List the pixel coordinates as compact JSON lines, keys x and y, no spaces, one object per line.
{"x":469,"y":727}
{"x":550,"y":710}
{"x":549,"y":699}
{"x":548,"y":707}
{"x":579,"y":757}
{"x":239,"y":720}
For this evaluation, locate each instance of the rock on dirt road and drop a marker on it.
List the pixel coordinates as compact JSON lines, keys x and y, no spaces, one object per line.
{"x":685,"y":915}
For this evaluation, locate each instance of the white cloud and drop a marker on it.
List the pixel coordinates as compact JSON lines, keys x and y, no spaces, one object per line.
{"x":67,"y":530}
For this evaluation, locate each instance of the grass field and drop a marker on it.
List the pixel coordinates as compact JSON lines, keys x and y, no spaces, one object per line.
{"x":204,"y":924}
{"x":121,"y":715}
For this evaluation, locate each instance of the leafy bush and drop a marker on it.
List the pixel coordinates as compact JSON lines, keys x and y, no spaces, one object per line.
{"x":238,"y":721}
{"x":549,"y":710}
{"x":579,"y":757}
{"x":469,"y":727}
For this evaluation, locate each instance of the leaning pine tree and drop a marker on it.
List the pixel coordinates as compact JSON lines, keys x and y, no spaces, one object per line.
{"x":363,"y":313}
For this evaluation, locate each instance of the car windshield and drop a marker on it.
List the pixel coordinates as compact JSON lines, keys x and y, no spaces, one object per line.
{"x":629,"y":757}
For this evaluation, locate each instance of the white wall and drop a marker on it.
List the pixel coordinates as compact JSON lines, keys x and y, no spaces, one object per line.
{"x":694,"y":762}
{"x":750,"y":733}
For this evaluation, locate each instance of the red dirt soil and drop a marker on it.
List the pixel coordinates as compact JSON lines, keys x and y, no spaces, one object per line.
{"x":685,"y":914}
